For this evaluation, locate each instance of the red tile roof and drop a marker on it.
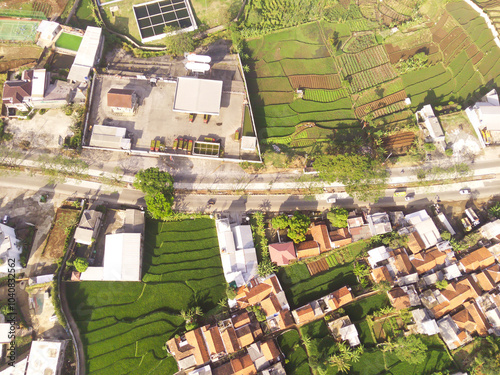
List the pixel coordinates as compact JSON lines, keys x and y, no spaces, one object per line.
{"x":307,"y":249}
{"x":121,"y":98}
{"x":14,"y":92}
{"x":399,"y":298}
{"x":340,"y":297}
{"x":427,"y":260}
{"x":270,"y":305}
{"x":478,"y":259}
{"x":282,"y":253}
{"x":320,"y":235}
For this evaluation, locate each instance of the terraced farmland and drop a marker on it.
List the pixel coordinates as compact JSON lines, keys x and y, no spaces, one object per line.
{"x":345,"y":72}
{"x":124,"y":325}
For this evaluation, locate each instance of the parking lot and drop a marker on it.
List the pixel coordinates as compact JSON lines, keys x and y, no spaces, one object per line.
{"x":156,"y":120}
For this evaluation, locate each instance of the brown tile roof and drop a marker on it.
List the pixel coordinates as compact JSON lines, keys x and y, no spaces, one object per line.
{"x":230,"y":340}
{"x":270,"y":350}
{"x":382,"y":274}
{"x":427,"y":260}
{"x":225,"y":369}
{"x":340,"y":237}
{"x":273,"y":281}
{"x":15,"y":91}
{"x":240,"y":319}
{"x":307,"y":249}
{"x":195,"y":346}
{"x":282,"y":253}
{"x":285,"y":319}
{"x":402,"y":261}
{"x":354,"y":222}
{"x":214,"y":341}
{"x":471,"y":319}
{"x":244,"y":335}
{"x":399,"y":298}
{"x":270,"y":305}
{"x":340,"y":297}
{"x":478,"y":259}
{"x":121,"y":98}
{"x":258,"y":293}
{"x":489,"y":278}
{"x":243,"y":366}
{"x":456,"y":294}
{"x":305,"y":313}
{"x":319,"y":233}
{"x":415,"y":242}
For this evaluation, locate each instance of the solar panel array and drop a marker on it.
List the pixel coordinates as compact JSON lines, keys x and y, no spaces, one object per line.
{"x":153,"y":17}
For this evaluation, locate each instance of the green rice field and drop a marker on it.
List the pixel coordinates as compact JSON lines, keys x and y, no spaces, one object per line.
{"x":124,"y":325}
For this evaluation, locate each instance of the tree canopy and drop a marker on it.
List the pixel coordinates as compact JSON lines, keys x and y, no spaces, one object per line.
{"x":178,"y":42}
{"x":158,"y":188}
{"x":363,"y":176}
{"x":338,"y":217}
{"x":297,"y":225}
{"x":81,"y":264}
{"x":409,"y":349}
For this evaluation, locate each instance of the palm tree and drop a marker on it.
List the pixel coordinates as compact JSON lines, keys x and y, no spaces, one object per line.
{"x":187,"y":315}
{"x":339,"y":362}
{"x":197,"y":311}
{"x":222,"y":303}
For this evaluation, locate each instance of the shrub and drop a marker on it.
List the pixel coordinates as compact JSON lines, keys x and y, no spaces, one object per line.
{"x":429,"y":146}
{"x":449,"y":152}
{"x":81,"y":264}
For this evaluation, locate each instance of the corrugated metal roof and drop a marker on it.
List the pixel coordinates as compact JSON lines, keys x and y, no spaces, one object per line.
{"x":122,"y":257}
{"x":202,"y":96}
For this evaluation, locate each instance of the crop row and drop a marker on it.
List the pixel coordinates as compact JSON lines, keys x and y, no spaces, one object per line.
{"x":380,"y":103}
{"x":325,"y":95}
{"x":396,"y":107}
{"x":372,"y":77}
{"x":370,"y":58}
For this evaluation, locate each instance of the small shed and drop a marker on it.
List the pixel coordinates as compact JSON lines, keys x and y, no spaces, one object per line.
{"x":122,"y":100}
{"x":109,"y":137}
{"x":48,"y":31}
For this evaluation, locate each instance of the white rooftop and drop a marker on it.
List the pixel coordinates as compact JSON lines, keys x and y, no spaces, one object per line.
{"x":38,"y":84}
{"x":9,"y":248}
{"x":47,"y":29}
{"x":18,"y":369}
{"x":109,"y":137}
{"x":377,"y":255}
{"x":86,"y":55}
{"x":201,"y":96}
{"x":44,"y":357}
{"x":122,"y":257}
{"x":4,"y":333}
{"x":489,"y":116}
{"x":425,"y":227}
{"x":350,"y":333}
{"x":248,"y":143}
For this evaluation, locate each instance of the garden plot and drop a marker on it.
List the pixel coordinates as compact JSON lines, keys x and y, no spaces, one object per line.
{"x":378,"y":104}
{"x":367,"y":59}
{"x":125,"y":325}
{"x":372,"y":77}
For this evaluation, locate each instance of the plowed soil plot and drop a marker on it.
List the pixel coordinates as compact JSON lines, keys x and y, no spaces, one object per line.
{"x":395,"y":54}
{"x":399,"y":143}
{"x":367,"y":108}
{"x":330,"y":81}
{"x":317,"y":267}
{"x":450,"y":45}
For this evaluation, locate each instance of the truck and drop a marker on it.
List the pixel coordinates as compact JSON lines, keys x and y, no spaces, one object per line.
{"x":181,"y":144}
{"x":400,"y":193}
{"x":176,"y":142}
{"x":467,"y":224}
{"x":152,"y":148}
{"x":157,"y":147}
{"x":186,"y":142}
{"x":472,"y":217}
{"x":190,"y":147}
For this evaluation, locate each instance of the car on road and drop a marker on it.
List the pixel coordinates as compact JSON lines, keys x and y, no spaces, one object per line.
{"x":331,"y":200}
{"x":410,"y":197}
{"x":464,"y":191}
{"x":211,"y":202}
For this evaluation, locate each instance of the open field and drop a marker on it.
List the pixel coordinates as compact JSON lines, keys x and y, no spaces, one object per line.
{"x":14,"y":55}
{"x":124,"y":325}
{"x":294,"y":352}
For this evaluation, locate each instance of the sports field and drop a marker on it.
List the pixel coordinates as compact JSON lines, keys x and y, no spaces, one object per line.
{"x":355,"y":71}
{"x":17,"y":30}
{"x":124,"y":325}
{"x":69,"y":41}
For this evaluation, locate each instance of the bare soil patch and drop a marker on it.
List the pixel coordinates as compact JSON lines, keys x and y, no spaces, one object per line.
{"x":65,"y":219}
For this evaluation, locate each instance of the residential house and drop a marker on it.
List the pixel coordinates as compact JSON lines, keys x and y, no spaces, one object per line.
{"x":339,"y":298}
{"x":46,"y":357}
{"x":122,"y":101}
{"x":276,"y":369}
{"x":205,"y":370}
{"x":88,"y":228}
{"x":304,"y":314}
{"x":237,"y":366}
{"x":422,"y":223}
{"x":415,"y":243}
{"x":403,"y":297}
{"x":358,"y":229}
{"x":380,"y":274}
{"x":426,"y":114}
{"x":490,"y":306}
{"x":319,"y":233}
{"x":396,"y":263}
{"x":10,"y":249}
{"x":489,"y":278}
{"x":239,"y":259}
{"x":379,"y":223}
{"x":307,"y":249}
{"x":424,"y":323}
{"x":475,"y":260}
{"x":491,"y":230}
{"x":17,"y":94}
{"x":454,"y":295}
{"x":451,"y":334}
{"x":483,"y":116}
{"x":471,"y":319}
{"x":189,"y":350}
{"x":397,"y":219}
{"x":428,"y":260}
{"x":215,"y":344}
{"x":264,"y":354}
{"x":340,"y":237}
{"x":343,"y":330}
{"x":282,"y":253}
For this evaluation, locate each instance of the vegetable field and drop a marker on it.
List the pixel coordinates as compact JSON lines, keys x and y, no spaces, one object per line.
{"x":124,"y":325}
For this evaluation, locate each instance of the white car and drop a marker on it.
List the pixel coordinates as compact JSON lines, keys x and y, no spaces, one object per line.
{"x":465,"y":191}
{"x":331,"y":200}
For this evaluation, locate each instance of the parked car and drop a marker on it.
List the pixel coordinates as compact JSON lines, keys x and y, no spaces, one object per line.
{"x":5,"y":219}
{"x":331,"y":200}
{"x":410,"y":197}
{"x":465,"y":191}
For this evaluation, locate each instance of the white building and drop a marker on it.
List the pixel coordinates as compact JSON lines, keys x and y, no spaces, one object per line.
{"x":425,"y":227}
{"x":425,"y":325}
{"x":48,"y":31}
{"x":431,"y":123}
{"x":109,"y":137}
{"x":379,"y":223}
{"x":87,"y":229}
{"x":88,"y":54}
{"x":10,"y":248}
{"x":238,"y":256}
{"x":45,"y":358}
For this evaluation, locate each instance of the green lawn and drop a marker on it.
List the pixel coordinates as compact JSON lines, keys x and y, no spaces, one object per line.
{"x":360,"y":309}
{"x":296,"y":357}
{"x":125,"y":324}
{"x":69,"y":41}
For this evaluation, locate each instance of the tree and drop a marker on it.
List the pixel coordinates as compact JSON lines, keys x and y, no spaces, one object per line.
{"x":299,"y":224}
{"x":446,"y":236}
{"x":340,"y":362}
{"x":495,"y":210}
{"x":363,"y":176}
{"x":382,"y":286}
{"x":81,"y":264}
{"x":158,"y":187}
{"x":266,"y":267}
{"x":409,"y":349}
{"x":441,"y":284}
{"x":177,"y":41}
{"x":280,"y":222}
{"x":230,"y":292}
{"x":361,"y":270}
{"x":338,"y":217}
